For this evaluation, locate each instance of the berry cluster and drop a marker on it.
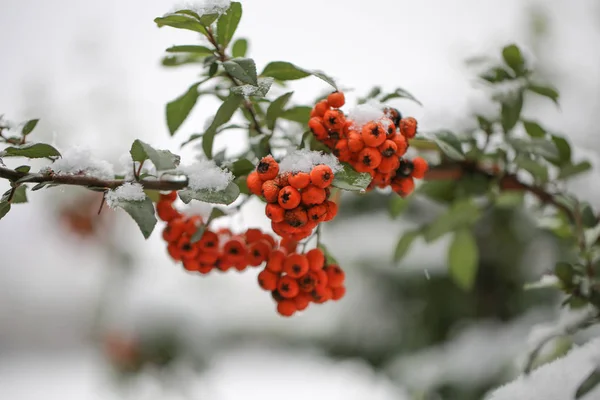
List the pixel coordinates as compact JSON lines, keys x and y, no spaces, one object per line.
{"x":295,"y":280}
{"x":376,"y":147}
{"x":296,"y":201}
{"x":221,"y":249}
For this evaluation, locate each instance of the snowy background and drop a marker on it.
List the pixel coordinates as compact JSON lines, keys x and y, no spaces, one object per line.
{"x":91,"y":71}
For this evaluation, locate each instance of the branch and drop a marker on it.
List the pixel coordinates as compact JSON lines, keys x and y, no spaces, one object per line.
{"x":455,"y":170}
{"x":88,"y":181}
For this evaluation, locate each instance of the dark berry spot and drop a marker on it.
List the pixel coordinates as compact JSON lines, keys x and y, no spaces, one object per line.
{"x":263,"y":167}
{"x":186,"y":247}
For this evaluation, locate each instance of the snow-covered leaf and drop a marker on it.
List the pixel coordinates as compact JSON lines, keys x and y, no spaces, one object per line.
{"x":31,"y":150}
{"x":243,"y":69}
{"x":162,"y":159}
{"x":349,"y":179}
{"x":226,"y":196}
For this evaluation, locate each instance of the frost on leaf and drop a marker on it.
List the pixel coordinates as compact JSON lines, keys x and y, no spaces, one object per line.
{"x":80,"y":161}
{"x":206,"y":175}
{"x":205,"y":7}
{"x":304,"y":161}
{"x":125,"y":192}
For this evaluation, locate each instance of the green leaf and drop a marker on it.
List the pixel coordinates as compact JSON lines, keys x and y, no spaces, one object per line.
{"x":179,"y":109}
{"x":4,"y":208}
{"x":514,"y":59}
{"x":228,"y":23}
{"x":397,"y":205}
{"x":406,"y":240}
{"x":564,"y":150}
{"x":223,"y":115}
{"x":243,"y":69}
{"x":540,"y":147}
{"x":208,"y":19}
{"x":182,"y":59}
{"x":153,"y":195}
{"x":162,"y":159}
{"x":440,"y":191}
{"x":462,"y":213}
{"x":349,"y":179}
{"x":197,"y":50}
{"x":239,"y":48}
{"x":20,"y":195}
{"x":329,"y":258}
{"x":565,"y":272}
{"x":400,"y":93}
{"x":241,"y":167}
{"x":226,"y":196}
{"x":276,"y":108}
{"x":545,"y":91}
{"x":589,"y":384}
{"x":511,"y":112}
{"x":300,"y":114}
{"x":449,"y":145}
{"x":509,"y":200}
{"x":537,"y":170}
{"x":142,"y":213}
{"x":31,"y":150}
{"x":570,"y":170}
{"x":285,"y":71}
{"x":533,"y":129}
{"x":588,"y":218}
{"x":495,"y":75}
{"x":181,"y":20}
{"x":23,"y":169}
{"x":463,"y":258}
{"x":264,"y":85}
{"x":29,"y":127}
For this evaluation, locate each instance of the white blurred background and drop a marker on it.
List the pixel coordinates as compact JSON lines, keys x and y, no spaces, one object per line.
{"x":91,"y":71}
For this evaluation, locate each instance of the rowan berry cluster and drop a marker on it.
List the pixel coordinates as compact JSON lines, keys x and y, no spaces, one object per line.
{"x":221,"y":249}
{"x":296,"y":201}
{"x":376,"y":147}
{"x":295,"y":280}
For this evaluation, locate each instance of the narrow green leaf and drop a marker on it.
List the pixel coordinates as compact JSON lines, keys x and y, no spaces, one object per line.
{"x":537,"y":170}
{"x":179,"y":109}
{"x":406,"y":240}
{"x":462,"y":213}
{"x":153,"y":195}
{"x":241,"y":167}
{"x":182,"y":59}
{"x":349,"y":179}
{"x":565,"y":272}
{"x":243,"y":69}
{"x":264,"y":85}
{"x":397,"y":205}
{"x":285,"y":71}
{"x":20,"y":195}
{"x":400,"y":93}
{"x":239,"y":48}
{"x":449,"y":145}
{"x":142,"y":213}
{"x":207,"y":19}
{"x":590,"y":383}
{"x":223,"y":115}
{"x":511,"y":112}
{"x":300,"y":114}
{"x":23,"y":169}
{"x":228,"y":23}
{"x":181,"y":21}
{"x":509,"y":200}
{"x":514,"y":59}
{"x":197,"y":50}
{"x":463,"y":259}
{"x":226,"y":196}
{"x":588,"y":218}
{"x":329,"y":258}
{"x":545,"y":91}
{"x":495,"y":75}
{"x":276,"y":108}
{"x":4,"y":208}
{"x":570,"y":170}
{"x":31,"y":150}
{"x":533,"y":129}
{"x":564,"y":150}
{"x":29,"y":127}
{"x":162,"y":159}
